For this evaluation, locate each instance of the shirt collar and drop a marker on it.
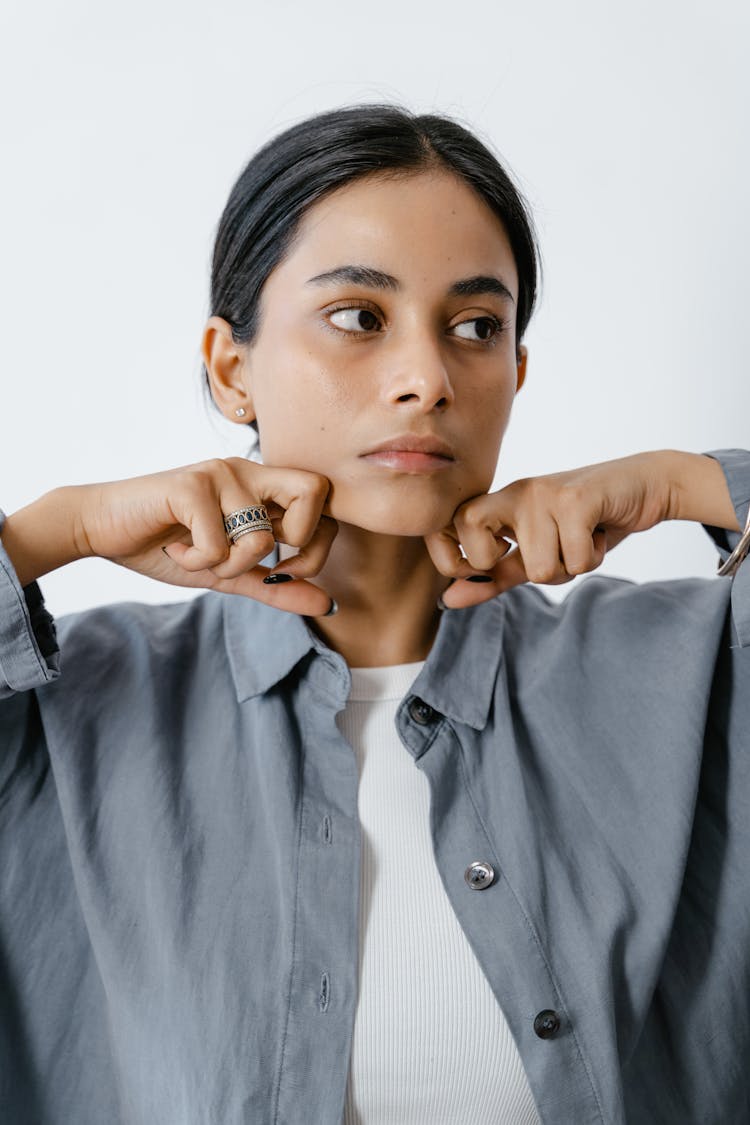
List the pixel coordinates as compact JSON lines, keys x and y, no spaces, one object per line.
{"x":264,"y":644}
{"x":459,"y":675}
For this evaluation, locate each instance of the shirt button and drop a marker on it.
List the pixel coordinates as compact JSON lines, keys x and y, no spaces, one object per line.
{"x":479,"y":875}
{"x":421,"y":712}
{"x":547,"y":1024}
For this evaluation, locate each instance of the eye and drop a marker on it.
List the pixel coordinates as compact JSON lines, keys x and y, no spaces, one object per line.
{"x":354,"y":319}
{"x":486,"y":327}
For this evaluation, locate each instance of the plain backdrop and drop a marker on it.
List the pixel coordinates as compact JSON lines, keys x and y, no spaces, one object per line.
{"x":125,"y":126}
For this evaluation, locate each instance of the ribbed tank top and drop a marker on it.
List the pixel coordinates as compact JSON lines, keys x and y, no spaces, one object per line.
{"x":431,"y":1045}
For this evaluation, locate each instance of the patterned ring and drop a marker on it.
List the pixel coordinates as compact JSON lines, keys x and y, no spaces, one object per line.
{"x":244,"y":520}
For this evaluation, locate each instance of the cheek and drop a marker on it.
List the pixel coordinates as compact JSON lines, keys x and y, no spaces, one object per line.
{"x":302,"y":411}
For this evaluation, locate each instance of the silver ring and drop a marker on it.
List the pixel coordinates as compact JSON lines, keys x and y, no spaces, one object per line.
{"x":244,"y":520}
{"x":732,"y":564}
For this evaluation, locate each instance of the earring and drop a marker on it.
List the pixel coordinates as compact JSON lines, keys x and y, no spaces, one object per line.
{"x":240,"y":412}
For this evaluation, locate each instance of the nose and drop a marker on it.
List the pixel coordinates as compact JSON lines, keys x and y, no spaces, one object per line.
{"x":417,"y":373}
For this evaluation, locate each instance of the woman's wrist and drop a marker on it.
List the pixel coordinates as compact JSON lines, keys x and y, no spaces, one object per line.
{"x":699,"y":490}
{"x":45,"y":535}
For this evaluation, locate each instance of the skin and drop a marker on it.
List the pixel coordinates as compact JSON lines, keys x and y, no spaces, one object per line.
{"x":323,"y":396}
{"x":383,"y":539}
{"x":427,"y":362}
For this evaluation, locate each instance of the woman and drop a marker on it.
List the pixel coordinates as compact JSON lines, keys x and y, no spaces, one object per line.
{"x":391,"y":837}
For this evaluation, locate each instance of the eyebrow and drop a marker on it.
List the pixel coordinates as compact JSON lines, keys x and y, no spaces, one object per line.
{"x":377,"y":279}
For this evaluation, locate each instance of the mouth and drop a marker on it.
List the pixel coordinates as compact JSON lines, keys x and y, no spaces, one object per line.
{"x":412,"y":453}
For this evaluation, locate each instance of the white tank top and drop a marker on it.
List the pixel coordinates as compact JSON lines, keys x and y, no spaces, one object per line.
{"x":427,"y":1022}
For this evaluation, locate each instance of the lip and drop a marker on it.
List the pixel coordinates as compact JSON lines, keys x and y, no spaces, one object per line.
{"x":426,"y":444}
{"x":412,"y":453}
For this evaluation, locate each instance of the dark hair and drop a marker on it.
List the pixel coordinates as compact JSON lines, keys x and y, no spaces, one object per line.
{"x":315,"y":157}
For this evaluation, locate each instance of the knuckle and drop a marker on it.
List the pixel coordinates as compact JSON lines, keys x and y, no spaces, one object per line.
{"x":313,"y":486}
{"x":472,"y":517}
{"x":577,"y":566}
{"x":198,"y":480}
{"x":541,"y":572}
{"x":443,"y":562}
{"x":228,"y":470}
{"x":217,"y":555}
{"x":539,"y":491}
{"x":211,"y":467}
{"x":237,"y":465}
{"x":571,"y":496}
{"x":533,"y":485}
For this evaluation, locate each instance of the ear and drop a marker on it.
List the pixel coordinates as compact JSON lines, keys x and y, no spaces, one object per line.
{"x":225,"y":364}
{"x":523,"y":355}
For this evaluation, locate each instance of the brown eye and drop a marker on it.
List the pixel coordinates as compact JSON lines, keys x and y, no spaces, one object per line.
{"x":485,"y":327}
{"x":354,"y":319}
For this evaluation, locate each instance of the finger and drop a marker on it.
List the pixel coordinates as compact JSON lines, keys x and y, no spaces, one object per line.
{"x":508,"y":572}
{"x":201,"y":510}
{"x":244,"y":551}
{"x":200,"y":514}
{"x":480,"y":526}
{"x":300,"y":497}
{"x":445,"y":551}
{"x":311,"y":558}
{"x":539,"y":544}
{"x":296,"y":501}
{"x":300,"y":597}
{"x":582,"y":549}
{"x":602,"y":542}
{"x":536,"y":559}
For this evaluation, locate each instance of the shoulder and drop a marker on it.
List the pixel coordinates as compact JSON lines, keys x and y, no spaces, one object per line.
{"x":629,"y":610}
{"x":607,"y":627}
{"x":133,"y":638}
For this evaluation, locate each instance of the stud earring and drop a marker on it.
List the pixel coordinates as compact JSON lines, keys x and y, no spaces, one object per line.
{"x":240,"y":412}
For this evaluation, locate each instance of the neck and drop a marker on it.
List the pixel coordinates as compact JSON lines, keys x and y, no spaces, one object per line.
{"x":386,"y":588}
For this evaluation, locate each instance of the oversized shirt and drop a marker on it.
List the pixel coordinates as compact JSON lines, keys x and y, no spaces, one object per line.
{"x":180,"y":849}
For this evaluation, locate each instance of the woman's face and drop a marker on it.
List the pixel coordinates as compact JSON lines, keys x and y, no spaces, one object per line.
{"x":412,"y":336}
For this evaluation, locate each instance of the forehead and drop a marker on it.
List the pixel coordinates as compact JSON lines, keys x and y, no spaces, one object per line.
{"x":428,"y":226}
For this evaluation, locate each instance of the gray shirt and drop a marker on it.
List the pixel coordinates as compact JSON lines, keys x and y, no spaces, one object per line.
{"x":179,"y":849}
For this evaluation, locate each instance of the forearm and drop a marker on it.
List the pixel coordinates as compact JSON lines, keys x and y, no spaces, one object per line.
{"x":43,"y":536}
{"x":699,"y":490}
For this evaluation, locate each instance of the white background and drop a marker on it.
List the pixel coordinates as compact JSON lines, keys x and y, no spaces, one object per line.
{"x":125,"y":126}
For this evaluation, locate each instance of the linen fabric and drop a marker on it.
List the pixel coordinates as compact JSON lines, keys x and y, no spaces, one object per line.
{"x":180,"y":849}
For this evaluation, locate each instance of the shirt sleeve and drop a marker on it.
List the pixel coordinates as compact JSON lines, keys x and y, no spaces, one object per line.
{"x":29,"y":652}
{"x":736,"y":466}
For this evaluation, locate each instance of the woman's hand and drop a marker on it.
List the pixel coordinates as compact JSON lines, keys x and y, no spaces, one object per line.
{"x":563,"y":524}
{"x":170,"y":526}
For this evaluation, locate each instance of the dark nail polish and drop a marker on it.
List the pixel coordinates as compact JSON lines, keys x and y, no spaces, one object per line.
{"x":479,"y":578}
{"x":334,"y":608}
{"x":272,"y":579}
{"x":441,"y":604}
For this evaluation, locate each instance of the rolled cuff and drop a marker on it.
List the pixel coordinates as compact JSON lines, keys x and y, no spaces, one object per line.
{"x":29,"y":653}
{"x":736,"y":466}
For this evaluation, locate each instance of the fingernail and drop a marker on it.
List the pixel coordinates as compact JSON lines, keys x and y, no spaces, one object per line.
{"x":441,"y":604}
{"x":272,"y":579}
{"x":334,"y":608}
{"x":479,"y":578}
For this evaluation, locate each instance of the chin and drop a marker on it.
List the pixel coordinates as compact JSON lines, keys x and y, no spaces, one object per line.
{"x":405,"y":511}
